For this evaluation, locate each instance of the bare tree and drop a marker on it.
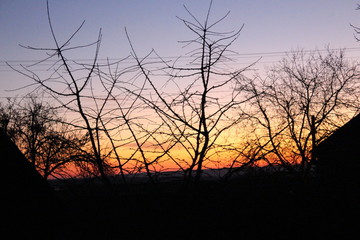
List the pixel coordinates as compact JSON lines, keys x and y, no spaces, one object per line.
{"x":303,"y":99}
{"x":41,"y":135}
{"x":200,"y":111}
{"x":71,"y":84}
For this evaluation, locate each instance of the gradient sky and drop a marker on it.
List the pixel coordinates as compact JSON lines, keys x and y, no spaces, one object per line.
{"x":270,"y":26}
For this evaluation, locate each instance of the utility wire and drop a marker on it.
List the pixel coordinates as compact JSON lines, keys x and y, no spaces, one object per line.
{"x":234,"y":56}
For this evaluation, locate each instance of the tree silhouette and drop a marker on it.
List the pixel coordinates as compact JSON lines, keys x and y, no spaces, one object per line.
{"x":71,"y":84}
{"x":197,"y":115}
{"x":41,"y":135}
{"x":300,"y":102}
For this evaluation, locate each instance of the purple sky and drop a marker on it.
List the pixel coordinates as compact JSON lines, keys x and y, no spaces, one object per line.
{"x":270,"y":26}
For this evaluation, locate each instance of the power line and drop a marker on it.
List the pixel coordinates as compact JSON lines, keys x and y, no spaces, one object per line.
{"x":233,"y":56}
{"x":185,"y":57}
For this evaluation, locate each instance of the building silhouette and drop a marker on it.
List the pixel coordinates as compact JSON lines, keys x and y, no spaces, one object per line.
{"x":26,"y":196}
{"x":338,"y":156}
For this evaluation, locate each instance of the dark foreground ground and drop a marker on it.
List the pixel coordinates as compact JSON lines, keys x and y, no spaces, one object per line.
{"x":262,"y":207}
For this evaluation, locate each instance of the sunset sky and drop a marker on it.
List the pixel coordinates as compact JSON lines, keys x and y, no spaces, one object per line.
{"x":270,"y":26}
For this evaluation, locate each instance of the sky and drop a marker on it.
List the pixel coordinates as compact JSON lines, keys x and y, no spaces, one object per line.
{"x":270,"y":26}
